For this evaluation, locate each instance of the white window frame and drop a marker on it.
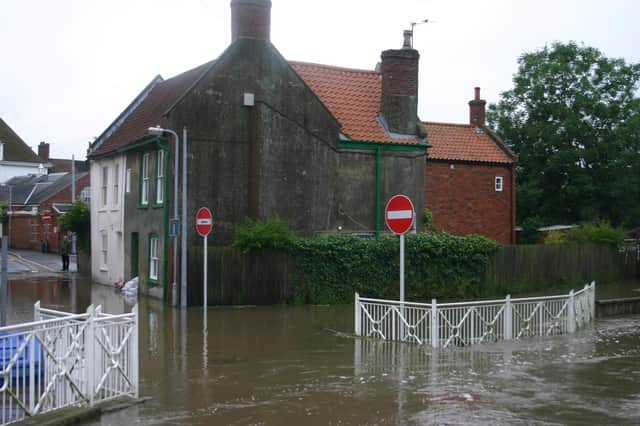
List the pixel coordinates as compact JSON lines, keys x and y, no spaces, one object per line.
{"x":499,"y":183}
{"x":104,"y":249}
{"x":105,"y":184}
{"x":144,"y":180}
{"x":116,"y":185}
{"x":127,"y":181}
{"x":154,"y":261}
{"x":160,"y":177}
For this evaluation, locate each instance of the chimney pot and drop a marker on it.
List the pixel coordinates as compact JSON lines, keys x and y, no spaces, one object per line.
{"x":250,"y":19}
{"x":477,"y":94}
{"x":408,"y":39}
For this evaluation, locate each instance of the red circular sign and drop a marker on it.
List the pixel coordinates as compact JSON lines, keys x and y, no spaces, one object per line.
{"x":399,"y":214}
{"x":204,"y":221}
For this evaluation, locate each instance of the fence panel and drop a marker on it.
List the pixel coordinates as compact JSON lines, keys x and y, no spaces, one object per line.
{"x":63,"y":360}
{"x":468,"y":323}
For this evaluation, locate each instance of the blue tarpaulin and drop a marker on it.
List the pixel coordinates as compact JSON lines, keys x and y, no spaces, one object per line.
{"x":10,"y":344}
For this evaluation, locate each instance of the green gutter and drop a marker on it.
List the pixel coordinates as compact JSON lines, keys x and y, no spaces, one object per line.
{"x":379,"y":147}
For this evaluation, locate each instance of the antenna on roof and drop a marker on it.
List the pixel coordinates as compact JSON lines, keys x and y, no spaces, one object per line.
{"x":413,"y":24}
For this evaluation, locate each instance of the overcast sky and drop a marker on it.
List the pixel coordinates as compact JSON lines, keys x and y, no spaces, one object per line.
{"x":69,"y":67}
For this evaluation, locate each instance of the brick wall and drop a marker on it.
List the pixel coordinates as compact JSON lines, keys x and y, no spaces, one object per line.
{"x":463,"y":199}
{"x":22,"y":235}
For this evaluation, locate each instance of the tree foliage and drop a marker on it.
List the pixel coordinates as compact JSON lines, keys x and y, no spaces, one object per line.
{"x":573,"y":118}
{"x":78,"y":220}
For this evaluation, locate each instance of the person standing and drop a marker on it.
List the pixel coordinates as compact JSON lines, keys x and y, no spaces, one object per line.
{"x":65,"y":248}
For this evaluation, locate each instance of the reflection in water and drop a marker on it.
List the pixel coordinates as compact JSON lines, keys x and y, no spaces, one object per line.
{"x":301,"y":365}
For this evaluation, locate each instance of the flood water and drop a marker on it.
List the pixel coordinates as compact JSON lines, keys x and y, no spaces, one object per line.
{"x":300,"y":365}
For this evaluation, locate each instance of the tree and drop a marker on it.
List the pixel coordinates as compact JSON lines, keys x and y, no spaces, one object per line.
{"x":78,"y":220}
{"x":573,"y":118}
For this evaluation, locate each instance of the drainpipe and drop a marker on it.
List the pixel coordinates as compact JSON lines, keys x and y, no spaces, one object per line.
{"x":378,"y":188}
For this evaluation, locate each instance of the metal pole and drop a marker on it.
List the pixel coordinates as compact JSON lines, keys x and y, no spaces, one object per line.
{"x":183,"y":230}
{"x":73,"y":178}
{"x":402,"y":268}
{"x":4,"y":289}
{"x":205,"y":272}
{"x":401,"y":323}
{"x":10,"y":212}
{"x":174,"y":284}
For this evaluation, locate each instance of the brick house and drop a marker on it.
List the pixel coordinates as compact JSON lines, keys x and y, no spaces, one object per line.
{"x":470,"y":178}
{"x":322,"y":147}
{"x":37,"y":201}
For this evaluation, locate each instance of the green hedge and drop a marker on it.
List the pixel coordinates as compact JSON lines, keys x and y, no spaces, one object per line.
{"x":331,"y":268}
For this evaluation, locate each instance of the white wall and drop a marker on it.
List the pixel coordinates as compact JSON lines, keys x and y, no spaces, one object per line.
{"x":107,"y":220}
{"x":9,"y":169}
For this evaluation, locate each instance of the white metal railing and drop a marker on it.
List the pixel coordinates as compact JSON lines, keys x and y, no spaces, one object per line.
{"x":467,"y":323}
{"x":62,"y":359}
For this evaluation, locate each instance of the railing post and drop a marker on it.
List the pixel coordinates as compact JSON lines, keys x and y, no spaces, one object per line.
{"x":133,"y":353}
{"x":593,"y":300}
{"x":89,"y":347}
{"x":32,"y":373}
{"x":434,"y":324}
{"x":36,"y":311}
{"x":508,"y":318}
{"x":357,"y":318}
{"x":571,"y":315}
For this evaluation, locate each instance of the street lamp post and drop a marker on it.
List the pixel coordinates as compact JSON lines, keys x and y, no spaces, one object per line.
{"x":183,"y":244}
{"x":9,"y":210}
{"x":159,"y":131}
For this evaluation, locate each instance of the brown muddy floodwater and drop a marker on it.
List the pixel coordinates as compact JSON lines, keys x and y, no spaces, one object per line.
{"x":293,"y":365}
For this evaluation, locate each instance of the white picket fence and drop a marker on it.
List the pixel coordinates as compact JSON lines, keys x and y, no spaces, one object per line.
{"x":61,"y":360}
{"x":468,"y":323}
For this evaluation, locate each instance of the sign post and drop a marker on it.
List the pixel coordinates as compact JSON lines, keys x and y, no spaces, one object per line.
{"x":399,"y":216}
{"x":204,"y":223}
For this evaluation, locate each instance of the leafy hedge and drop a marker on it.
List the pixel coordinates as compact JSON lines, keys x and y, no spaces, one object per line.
{"x":331,"y":268}
{"x":601,"y":233}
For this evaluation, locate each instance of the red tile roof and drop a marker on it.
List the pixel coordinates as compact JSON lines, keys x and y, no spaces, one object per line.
{"x":151,"y":110}
{"x":462,"y":142}
{"x":352,"y":96}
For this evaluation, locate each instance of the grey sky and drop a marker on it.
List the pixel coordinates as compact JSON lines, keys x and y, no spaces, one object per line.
{"x":70,"y":66}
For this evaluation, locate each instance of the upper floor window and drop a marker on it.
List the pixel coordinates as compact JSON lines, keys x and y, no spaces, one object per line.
{"x":85,"y":195}
{"x":104,"y":186}
{"x":144,"y":180}
{"x":116,"y":186}
{"x":498,"y":184}
{"x":127,"y":181}
{"x":160,"y":177}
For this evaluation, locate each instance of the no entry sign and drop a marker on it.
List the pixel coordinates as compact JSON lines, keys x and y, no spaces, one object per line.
{"x":204,"y":221}
{"x":399,"y":214}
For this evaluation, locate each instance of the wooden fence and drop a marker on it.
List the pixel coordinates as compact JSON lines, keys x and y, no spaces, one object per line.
{"x":526,"y":266}
{"x":265,"y":277}
{"x":240,"y":279}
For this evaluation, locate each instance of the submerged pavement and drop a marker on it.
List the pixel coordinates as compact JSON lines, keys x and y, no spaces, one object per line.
{"x":32,"y":261}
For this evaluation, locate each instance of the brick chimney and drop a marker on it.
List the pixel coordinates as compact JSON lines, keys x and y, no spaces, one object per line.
{"x":477,"y":110}
{"x":399,"y":102}
{"x":251,"y":19}
{"x":43,"y":151}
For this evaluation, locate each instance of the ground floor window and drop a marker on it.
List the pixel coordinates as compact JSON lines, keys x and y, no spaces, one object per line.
{"x":104,"y":249}
{"x":153,"y":258}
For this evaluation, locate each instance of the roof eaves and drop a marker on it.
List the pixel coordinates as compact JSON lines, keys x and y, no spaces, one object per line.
{"x":503,"y":146}
{"x":124,"y":114}
{"x":195,"y":82}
